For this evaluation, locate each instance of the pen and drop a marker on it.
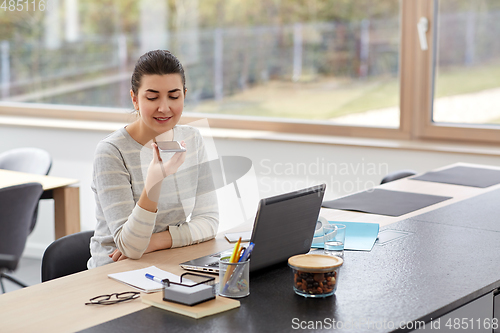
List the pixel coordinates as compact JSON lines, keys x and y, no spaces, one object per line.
{"x":240,"y":253}
{"x":154,"y":278}
{"x":246,"y":254}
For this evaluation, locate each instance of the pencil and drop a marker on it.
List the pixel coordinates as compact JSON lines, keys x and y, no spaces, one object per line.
{"x":234,"y":258}
{"x":236,"y":251}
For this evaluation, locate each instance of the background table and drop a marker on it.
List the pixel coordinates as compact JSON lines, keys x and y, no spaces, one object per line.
{"x":458,"y":193}
{"x":66,"y":197}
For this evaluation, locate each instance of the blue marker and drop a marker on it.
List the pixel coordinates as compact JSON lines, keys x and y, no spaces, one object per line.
{"x":154,"y":278}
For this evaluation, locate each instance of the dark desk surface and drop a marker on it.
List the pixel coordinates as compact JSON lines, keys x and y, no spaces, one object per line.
{"x":450,"y":257}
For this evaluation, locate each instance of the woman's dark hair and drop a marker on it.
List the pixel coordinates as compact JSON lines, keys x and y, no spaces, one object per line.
{"x":157,"y":62}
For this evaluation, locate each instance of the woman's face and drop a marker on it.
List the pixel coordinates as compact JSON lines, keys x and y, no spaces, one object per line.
{"x":160,"y":101}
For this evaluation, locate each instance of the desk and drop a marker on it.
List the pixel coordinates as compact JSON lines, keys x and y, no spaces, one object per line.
{"x":66,"y":198}
{"x":458,"y":193}
{"x":422,"y":276}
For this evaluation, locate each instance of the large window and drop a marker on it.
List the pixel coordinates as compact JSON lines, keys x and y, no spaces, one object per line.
{"x":467,"y":82}
{"x":332,"y":61}
{"x":321,"y":60}
{"x":336,"y":67}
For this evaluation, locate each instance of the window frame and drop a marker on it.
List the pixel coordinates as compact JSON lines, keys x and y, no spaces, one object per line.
{"x":425,"y":128}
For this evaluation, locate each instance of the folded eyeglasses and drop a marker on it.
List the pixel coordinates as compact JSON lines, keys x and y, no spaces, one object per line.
{"x":119,"y":297}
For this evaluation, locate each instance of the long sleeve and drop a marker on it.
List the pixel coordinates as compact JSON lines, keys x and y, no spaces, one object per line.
{"x":130,"y":225}
{"x":204,"y":220}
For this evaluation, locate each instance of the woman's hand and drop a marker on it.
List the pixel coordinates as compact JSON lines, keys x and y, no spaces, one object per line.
{"x":117,"y":255}
{"x":158,"y":170}
{"x":158,"y":241}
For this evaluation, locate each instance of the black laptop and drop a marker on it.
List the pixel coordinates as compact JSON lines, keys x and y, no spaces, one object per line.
{"x":284,"y":226}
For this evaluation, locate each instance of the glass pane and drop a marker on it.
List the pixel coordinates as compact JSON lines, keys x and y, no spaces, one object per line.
{"x":467,"y":82}
{"x":330,"y":60}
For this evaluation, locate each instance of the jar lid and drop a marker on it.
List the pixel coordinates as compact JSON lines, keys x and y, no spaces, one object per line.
{"x":315,"y":262}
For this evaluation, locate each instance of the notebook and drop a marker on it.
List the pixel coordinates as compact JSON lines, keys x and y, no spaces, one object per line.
{"x":284,"y":226}
{"x":232,"y":237}
{"x":137,"y":278}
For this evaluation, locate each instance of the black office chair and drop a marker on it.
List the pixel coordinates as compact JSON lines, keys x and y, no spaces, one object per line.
{"x":17,"y":205}
{"x":66,"y":256}
{"x":397,"y":175}
{"x":29,"y":160}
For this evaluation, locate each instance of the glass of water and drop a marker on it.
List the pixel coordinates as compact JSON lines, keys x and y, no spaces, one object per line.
{"x":334,"y":236}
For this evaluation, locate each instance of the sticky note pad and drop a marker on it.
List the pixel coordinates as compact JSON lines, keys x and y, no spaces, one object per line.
{"x":188,"y":295}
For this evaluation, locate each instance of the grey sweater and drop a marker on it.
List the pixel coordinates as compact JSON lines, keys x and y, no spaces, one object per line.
{"x":187,"y":205}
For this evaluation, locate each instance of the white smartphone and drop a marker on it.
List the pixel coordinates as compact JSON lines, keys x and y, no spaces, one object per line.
{"x":170,"y":146}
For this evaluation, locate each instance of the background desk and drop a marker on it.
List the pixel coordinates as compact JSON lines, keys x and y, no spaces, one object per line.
{"x":66,"y":198}
{"x":418,"y":277}
{"x":458,"y":193}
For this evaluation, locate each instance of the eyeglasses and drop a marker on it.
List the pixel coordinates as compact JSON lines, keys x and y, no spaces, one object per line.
{"x":119,"y":297}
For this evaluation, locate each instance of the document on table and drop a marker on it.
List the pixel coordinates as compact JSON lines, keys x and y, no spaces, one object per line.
{"x":137,"y":278}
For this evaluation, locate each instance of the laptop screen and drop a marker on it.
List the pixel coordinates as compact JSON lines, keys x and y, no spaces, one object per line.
{"x":284,"y":226}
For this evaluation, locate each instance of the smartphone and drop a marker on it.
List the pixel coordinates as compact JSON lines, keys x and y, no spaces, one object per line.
{"x":170,"y":146}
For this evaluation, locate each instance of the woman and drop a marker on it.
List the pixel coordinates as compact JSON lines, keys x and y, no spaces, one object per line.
{"x":147,"y":201}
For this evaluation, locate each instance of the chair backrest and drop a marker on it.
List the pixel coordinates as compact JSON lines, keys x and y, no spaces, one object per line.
{"x":67,"y":255}
{"x":30,"y":160}
{"x":17,"y":205}
{"x":397,"y":175}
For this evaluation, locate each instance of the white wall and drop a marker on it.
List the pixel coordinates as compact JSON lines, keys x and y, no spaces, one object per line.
{"x":278,"y":167}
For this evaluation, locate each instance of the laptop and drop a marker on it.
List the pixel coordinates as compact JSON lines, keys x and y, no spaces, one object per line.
{"x":284,"y":226}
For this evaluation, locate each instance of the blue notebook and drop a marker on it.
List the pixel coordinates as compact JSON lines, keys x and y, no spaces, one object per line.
{"x":359,"y":236}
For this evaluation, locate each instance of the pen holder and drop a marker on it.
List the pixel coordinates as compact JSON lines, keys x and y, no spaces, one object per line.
{"x":234,"y":281}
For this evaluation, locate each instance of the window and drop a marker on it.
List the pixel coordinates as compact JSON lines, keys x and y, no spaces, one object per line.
{"x":331,"y":67}
{"x":467,"y":81}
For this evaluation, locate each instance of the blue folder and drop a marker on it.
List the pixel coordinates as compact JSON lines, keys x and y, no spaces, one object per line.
{"x":359,"y":236}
